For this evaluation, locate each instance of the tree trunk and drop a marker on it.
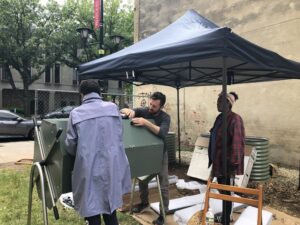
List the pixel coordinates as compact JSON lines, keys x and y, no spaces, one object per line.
{"x":26,"y":97}
{"x":10,"y":77}
{"x":26,"y":102}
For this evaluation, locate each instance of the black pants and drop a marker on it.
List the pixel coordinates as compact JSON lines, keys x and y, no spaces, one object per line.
{"x":109,"y":219}
{"x":226,"y":204}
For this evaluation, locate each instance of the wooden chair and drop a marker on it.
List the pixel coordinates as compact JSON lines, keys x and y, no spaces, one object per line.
{"x":253,"y":202}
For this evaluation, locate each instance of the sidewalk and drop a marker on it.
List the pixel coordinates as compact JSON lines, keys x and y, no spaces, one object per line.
{"x":16,"y":150}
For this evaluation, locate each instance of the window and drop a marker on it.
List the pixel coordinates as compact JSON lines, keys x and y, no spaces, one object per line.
{"x":75,"y":76}
{"x":57,"y":73}
{"x":4,"y":74}
{"x":47,"y":74}
{"x":120,"y":84}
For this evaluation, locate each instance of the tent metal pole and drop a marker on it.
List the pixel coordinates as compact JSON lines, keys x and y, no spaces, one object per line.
{"x":224,"y":134}
{"x":299,"y":176}
{"x":178,"y":126}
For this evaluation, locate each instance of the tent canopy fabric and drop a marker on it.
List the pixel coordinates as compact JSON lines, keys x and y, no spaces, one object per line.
{"x":189,"y":52}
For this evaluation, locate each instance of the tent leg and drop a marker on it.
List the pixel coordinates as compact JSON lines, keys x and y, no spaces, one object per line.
{"x":299,"y":176}
{"x":178,"y":127}
{"x":224,"y":133}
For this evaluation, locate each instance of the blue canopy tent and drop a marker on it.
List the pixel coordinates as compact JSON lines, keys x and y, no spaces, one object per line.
{"x":192,"y":51}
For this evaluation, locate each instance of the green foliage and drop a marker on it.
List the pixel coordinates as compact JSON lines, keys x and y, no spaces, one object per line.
{"x":24,"y":37}
{"x":118,"y":20}
{"x":36,"y":36}
{"x":14,"y":193}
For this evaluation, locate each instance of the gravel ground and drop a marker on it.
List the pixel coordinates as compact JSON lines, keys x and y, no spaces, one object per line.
{"x":280,"y":192}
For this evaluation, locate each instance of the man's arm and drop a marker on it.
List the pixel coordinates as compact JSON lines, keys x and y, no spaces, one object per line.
{"x":164,"y":127}
{"x":128,"y":112}
{"x":160,"y":131}
{"x":140,"y":121}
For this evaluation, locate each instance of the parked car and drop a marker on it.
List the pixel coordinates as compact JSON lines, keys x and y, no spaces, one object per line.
{"x":63,"y":112}
{"x":11,"y":124}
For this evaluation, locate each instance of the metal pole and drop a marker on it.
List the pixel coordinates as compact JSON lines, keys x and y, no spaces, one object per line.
{"x":224,"y":133}
{"x":31,"y":184}
{"x":162,"y":209}
{"x":35,"y":103}
{"x":178,"y":126}
{"x":46,"y":172}
{"x":299,"y":176}
{"x":101,"y":42}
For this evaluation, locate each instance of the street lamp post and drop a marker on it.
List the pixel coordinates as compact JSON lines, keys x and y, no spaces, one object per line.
{"x":115,"y":39}
{"x":84,"y":34}
{"x":101,"y":41}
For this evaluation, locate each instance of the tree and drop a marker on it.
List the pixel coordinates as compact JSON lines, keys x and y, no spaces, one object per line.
{"x":28,"y":41}
{"x":34,"y":37}
{"x":118,"y":19}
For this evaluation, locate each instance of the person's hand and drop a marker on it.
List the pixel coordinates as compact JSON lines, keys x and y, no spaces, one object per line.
{"x":128,"y":112}
{"x":138,"y":121}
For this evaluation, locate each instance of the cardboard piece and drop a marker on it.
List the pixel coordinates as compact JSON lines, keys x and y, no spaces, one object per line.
{"x":249,"y":217}
{"x":185,"y":202}
{"x":199,"y":163}
{"x":181,"y":203}
{"x":242,"y":180}
{"x":202,"y":142}
{"x":183,"y":216}
{"x":148,"y":216}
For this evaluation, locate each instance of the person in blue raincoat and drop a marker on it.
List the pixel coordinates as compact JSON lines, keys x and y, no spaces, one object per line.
{"x":101,"y":173}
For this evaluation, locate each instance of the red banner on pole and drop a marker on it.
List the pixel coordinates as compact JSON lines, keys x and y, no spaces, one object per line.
{"x":97,"y":18}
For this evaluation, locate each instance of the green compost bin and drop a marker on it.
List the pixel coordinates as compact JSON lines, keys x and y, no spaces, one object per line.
{"x":59,"y":162}
{"x":144,"y":151}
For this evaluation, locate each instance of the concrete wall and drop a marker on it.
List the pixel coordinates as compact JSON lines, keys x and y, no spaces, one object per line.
{"x":269,"y":109}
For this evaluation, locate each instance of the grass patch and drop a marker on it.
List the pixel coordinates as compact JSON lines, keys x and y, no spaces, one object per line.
{"x":14,"y":191}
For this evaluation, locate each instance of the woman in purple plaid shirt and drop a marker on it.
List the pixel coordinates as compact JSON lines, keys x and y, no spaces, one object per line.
{"x":235,"y":146}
